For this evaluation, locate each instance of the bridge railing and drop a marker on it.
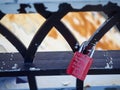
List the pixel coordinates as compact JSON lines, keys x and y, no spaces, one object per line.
{"x":55,"y":63}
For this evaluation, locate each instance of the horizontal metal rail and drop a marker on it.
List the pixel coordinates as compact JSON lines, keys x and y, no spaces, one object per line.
{"x":55,"y":63}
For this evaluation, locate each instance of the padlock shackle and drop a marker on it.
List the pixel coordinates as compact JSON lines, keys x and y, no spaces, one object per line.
{"x":85,"y":50}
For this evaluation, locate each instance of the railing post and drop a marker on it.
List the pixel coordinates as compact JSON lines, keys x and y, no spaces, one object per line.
{"x":32,"y":82}
{"x":79,"y":84}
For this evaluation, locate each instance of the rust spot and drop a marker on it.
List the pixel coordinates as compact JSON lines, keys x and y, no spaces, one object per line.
{"x":53,"y":33}
{"x":85,"y":27}
{"x":11,"y":17}
{"x":84,"y":23}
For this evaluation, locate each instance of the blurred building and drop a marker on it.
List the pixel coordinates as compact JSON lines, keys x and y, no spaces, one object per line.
{"x":81,"y":24}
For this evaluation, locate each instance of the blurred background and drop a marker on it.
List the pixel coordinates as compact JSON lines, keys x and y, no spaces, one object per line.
{"x":81,"y":24}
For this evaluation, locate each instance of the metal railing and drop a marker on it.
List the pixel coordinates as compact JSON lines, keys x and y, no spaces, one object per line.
{"x":54,"y":11}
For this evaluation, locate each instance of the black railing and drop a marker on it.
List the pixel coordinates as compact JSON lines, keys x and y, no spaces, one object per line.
{"x":44,"y":65}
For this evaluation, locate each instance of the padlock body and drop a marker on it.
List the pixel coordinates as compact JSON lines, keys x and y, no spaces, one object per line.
{"x":79,"y":65}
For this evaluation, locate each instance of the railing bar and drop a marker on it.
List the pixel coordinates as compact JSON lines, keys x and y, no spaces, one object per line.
{"x":32,"y":82}
{"x":67,"y":35}
{"x":36,"y":41}
{"x":79,"y":84}
{"x":118,"y":26}
{"x":1,"y":15}
{"x":42,"y":32}
{"x":102,"y":30}
{"x":13,"y":39}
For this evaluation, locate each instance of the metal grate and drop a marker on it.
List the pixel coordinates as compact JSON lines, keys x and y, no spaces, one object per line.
{"x":53,"y":17}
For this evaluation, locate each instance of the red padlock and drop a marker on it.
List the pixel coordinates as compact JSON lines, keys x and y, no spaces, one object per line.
{"x":80,"y":64}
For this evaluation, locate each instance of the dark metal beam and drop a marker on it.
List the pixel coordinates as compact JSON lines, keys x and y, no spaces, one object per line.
{"x":79,"y":85}
{"x":32,"y":82}
{"x":13,"y":39}
{"x":102,"y":30}
{"x":69,"y":37}
{"x":55,"y":63}
{"x":1,"y":15}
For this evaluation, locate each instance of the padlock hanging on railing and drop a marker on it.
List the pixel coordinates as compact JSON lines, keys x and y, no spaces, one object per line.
{"x":81,"y":62}
{"x":82,"y":59}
